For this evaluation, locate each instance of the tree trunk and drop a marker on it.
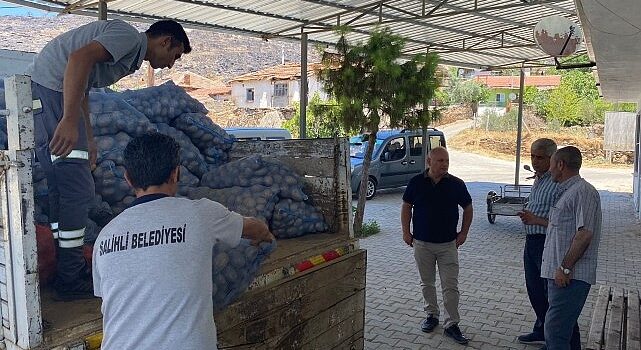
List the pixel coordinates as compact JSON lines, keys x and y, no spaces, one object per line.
{"x":362,"y":189}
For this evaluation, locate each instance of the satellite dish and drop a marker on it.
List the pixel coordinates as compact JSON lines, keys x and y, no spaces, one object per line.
{"x":512,"y":96}
{"x":558,"y":36}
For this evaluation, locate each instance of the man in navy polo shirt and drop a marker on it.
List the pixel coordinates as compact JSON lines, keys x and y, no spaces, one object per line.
{"x":430,"y":203}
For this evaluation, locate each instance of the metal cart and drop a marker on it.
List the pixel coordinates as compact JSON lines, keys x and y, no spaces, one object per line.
{"x":510,"y":202}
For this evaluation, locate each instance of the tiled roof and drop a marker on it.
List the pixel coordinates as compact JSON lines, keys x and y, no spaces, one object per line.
{"x":287,"y":71}
{"x":194,"y":81}
{"x":219,"y":90}
{"x":512,"y":82}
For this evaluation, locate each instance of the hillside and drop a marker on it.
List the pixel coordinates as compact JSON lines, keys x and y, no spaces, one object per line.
{"x":214,"y":54}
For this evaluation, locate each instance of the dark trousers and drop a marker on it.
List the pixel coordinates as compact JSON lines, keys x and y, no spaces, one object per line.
{"x":71,"y":186}
{"x":536,"y":286}
{"x":70,"y":183}
{"x":566,"y":304}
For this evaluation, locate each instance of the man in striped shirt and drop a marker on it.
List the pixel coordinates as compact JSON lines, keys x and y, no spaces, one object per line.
{"x":571,"y":249}
{"x":535,"y":218}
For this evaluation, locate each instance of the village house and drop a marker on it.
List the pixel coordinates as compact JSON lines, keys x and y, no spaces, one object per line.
{"x":201,"y":88}
{"x":505,"y":88}
{"x":273,"y":87}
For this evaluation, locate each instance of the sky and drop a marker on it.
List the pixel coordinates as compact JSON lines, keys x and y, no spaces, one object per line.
{"x":9,"y":9}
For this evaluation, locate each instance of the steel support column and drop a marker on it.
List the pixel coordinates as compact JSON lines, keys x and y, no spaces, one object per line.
{"x":520,"y":125}
{"x":303,"y":85}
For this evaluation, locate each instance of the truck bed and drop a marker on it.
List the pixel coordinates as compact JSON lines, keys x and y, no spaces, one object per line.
{"x":302,"y":297}
{"x":67,"y":321}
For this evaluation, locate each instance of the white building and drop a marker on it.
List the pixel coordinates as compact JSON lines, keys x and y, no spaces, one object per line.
{"x":273,"y":87}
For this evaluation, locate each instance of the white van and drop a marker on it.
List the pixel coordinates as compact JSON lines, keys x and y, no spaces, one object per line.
{"x":246,"y":134}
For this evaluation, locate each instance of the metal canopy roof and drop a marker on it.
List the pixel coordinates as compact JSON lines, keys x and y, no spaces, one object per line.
{"x":612,"y":34}
{"x":473,"y":33}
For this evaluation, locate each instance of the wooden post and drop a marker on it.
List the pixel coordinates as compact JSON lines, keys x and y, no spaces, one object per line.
{"x":19,"y":235}
{"x":633,"y":336}
{"x":102,"y":10}
{"x":150,"y":76}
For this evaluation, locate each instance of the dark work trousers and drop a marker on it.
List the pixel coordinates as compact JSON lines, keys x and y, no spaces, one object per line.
{"x":70,"y":183}
{"x":535,"y":284}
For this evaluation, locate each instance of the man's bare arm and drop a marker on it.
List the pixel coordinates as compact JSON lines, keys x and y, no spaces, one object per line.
{"x":468,"y":215}
{"x":406,"y":219}
{"x":79,"y":66}
{"x":580,"y":243}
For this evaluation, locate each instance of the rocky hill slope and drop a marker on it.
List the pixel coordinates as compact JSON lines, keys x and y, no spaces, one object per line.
{"x":216,"y":55}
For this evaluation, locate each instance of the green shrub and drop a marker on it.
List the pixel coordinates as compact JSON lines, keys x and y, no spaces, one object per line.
{"x":493,"y":121}
{"x":369,"y":228}
{"x":554,"y":125}
{"x":322,"y":119}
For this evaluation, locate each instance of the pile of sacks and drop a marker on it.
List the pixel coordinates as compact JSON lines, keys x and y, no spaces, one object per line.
{"x":270,"y":187}
{"x":255,"y":186}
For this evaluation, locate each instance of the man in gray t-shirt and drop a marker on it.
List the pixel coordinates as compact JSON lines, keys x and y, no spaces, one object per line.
{"x":95,"y":55}
{"x":153,"y":262}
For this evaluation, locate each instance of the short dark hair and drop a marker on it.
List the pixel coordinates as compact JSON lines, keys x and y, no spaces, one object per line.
{"x":150,"y":159}
{"x":571,"y":157}
{"x":174,"y":30}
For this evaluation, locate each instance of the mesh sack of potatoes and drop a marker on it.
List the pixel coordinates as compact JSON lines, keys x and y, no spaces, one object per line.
{"x":187,"y":179}
{"x":40,"y":194}
{"x":294,"y":219}
{"x":110,"y":182}
{"x":123,"y":204}
{"x":110,"y":114}
{"x":112,"y":147}
{"x":257,"y":201}
{"x":256,"y":170}
{"x":211,"y":139}
{"x":100,"y":211}
{"x":290,"y":183}
{"x":190,"y":156}
{"x":163,"y":103}
{"x":234,"y":268}
{"x":40,"y":214}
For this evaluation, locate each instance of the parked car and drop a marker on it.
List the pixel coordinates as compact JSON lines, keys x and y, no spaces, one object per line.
{"x":398,"y":156}
{"x":254,"y":134}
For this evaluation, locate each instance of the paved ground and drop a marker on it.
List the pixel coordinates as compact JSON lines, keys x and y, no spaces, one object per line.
{"x":494,"y":305}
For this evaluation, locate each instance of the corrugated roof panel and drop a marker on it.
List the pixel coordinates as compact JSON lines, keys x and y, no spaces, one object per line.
{"x":421,"y":33}
{"x":454,"y":26}
{"x":529,"y":17}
